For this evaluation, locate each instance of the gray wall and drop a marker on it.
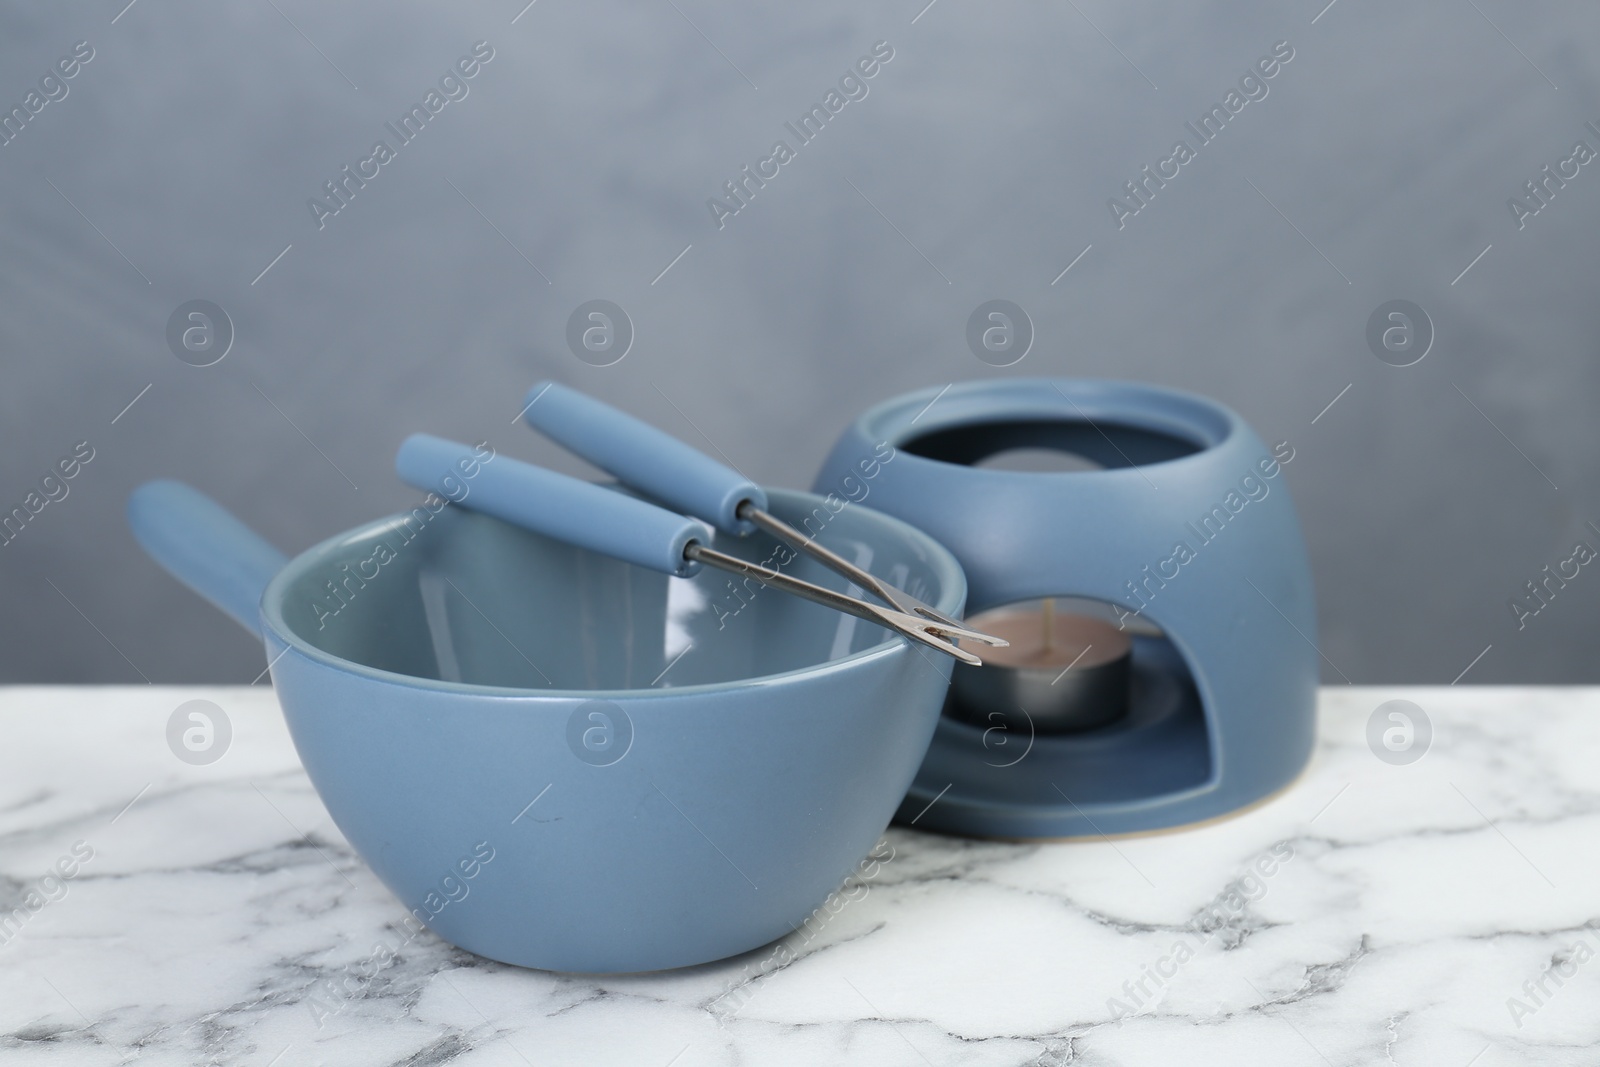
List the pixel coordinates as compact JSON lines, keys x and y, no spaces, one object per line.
{"x":189,"y":145}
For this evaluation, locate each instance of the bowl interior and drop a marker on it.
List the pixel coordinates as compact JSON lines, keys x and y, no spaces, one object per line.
{"x":461,"y":597}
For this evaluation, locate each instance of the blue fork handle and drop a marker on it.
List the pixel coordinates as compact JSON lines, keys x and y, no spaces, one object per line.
{"x":639,"y":455}
{"x":200,"y":543}
{"x":568,"y":509}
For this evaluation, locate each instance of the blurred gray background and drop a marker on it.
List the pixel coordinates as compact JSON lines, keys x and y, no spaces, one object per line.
{"x":179,"y":164}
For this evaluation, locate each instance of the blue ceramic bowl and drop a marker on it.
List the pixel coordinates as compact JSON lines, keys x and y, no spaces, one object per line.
{"x":558,"y":760}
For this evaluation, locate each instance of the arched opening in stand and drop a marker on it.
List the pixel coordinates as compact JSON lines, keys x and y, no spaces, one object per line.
{"x":1101,"y":698}
{"x":1124,"y":723}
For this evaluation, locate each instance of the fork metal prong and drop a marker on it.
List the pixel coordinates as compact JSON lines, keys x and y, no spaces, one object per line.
{"x":945,"y":625}
{"x":948,"y":647}
{"x":917,"y":629}
{"x":910,"y":626}
{"x":898,"y":599}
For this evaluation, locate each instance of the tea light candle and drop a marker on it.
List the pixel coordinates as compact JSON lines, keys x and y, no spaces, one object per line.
{"x":1068,"y":672}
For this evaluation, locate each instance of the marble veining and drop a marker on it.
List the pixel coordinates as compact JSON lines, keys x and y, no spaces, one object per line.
{"x":1446,"y":912}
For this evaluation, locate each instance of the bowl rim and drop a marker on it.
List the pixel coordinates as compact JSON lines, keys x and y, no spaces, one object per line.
{"x":952,"y":595}
{"x":1197,"y":420}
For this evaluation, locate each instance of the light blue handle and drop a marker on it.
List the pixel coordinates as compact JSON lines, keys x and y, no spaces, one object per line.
{"x":577,"y":512}
{"x":639,"y":455}
{"x":205,"y":547}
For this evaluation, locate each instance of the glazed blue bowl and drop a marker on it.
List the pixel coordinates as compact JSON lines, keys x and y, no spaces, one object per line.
{"x":558,"y":760}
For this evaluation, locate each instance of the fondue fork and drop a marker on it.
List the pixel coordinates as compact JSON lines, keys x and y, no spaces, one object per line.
{"x":658,"y":464}
{"x":624,"y":527}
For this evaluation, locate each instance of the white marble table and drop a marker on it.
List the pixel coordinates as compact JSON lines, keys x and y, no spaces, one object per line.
{"x":1405,"y":913}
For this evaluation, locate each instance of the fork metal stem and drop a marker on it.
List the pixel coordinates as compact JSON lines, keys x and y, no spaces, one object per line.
{"x":908,"y":625}
{"x":868,"y":581}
